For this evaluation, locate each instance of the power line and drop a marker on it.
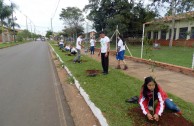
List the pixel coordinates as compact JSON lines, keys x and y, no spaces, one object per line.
{"x":56,"y":9}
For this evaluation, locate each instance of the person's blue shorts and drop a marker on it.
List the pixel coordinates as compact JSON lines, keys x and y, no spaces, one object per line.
{"x":120,"y":55}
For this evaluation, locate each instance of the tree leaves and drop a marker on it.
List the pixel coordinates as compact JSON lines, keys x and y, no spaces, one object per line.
{"x":110,"y":13}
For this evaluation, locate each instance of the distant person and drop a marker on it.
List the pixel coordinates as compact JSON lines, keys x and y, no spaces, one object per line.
{"x":78,"y":47}
{"x":73,"y":50}
{"x":120,"y":53}
{"x":92,"y":45}
{"x":67,"y":48}
{"x":104,"y":52}
{"x":61,"y":44}
{"x":149,"y":88}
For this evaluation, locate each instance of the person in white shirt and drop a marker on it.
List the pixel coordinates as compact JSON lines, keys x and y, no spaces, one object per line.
{"x":61,"y":44}
{"x":121,"y":53}
{"x":73,"y":50}
{"x":67,"y":48}
{"x":104,"y":52}
{"x":92,"y":45}
{"x":78,"y":47}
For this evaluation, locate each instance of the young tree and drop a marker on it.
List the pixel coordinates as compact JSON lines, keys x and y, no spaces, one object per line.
{"x":49,"y":33}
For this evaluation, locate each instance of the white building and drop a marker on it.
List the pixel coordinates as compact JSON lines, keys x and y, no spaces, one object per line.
{"x":159,"y":30}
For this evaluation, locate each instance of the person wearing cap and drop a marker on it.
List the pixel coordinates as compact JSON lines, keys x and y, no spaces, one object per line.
{"x":78,"y":47}
{"x":104,"y":52}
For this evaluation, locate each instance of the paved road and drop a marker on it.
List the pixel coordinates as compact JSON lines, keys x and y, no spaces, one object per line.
{"x":30,"y":94}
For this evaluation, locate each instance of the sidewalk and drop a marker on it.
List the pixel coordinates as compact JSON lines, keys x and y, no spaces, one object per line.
{"x":172,"y":82}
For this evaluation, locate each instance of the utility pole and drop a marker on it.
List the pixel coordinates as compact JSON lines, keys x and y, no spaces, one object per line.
{"x":26,"y":23}
{"x":51,"y":25}
{"x":52,"y":28}
{"x":13,"y":23}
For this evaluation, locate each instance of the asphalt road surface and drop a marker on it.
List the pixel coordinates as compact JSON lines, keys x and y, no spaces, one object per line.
{"x":30,"y":93}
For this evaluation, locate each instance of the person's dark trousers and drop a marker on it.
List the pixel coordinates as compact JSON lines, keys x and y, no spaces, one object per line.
{"x":105,"y":62}
{"x":92,"y":49}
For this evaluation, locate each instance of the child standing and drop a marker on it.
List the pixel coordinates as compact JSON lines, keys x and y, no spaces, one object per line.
{"x":121,"y":53}
{"x":92,"y":45}
{"x":149,"y":90}
{"x":78,"y":47}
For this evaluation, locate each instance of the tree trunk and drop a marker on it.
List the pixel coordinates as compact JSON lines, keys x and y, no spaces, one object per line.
{"x":173,"y":23}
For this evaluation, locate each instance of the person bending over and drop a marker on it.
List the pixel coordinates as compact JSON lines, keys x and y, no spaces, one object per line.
{"x":151,"y":90}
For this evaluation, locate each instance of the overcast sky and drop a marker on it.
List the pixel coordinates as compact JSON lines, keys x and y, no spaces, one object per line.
{"x":40,"y":12}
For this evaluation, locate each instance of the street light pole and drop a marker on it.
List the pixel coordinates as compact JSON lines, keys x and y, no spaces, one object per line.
{"x":13,"y":24}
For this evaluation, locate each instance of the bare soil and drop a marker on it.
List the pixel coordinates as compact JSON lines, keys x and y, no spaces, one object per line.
{"x":92,"y":73}
{"x":81,"y":113}
{"x":167,"y":119}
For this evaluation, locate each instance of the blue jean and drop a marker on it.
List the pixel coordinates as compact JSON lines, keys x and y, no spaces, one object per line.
{"x":168,"y":105}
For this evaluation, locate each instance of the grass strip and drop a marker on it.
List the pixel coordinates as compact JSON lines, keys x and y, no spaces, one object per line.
{"x":109,"y":92}
{"x":9,"y":44}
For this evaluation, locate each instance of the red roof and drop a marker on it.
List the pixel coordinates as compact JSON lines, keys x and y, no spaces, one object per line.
{"x":177,"y":17}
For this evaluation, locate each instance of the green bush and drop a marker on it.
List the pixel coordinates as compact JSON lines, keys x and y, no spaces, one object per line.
{"x":19,"y":38}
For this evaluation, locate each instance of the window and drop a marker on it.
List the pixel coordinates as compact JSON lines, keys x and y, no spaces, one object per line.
{"x":149,"y":35}
{"x":156,"y":35}
{"x":183,"y":33}
{"x":174,"y":34}
{"x":163,"y":34}
{"x":192,"y":33}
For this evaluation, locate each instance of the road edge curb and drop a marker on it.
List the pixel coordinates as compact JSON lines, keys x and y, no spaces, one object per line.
{"x":95,"y":110}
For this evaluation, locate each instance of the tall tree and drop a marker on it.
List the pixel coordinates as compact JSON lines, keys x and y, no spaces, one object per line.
{"x":129,"y":16}
{"x":5,"y":12}
{"x":49,"y":33}
{"x":72,"y":17}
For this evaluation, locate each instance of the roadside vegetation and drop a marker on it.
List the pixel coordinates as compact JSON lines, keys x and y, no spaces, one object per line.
{"x":110,"y":92}
{"x":8,"y":44}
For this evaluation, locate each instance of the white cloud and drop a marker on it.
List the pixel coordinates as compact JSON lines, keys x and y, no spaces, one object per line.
{"x":40,"y":13}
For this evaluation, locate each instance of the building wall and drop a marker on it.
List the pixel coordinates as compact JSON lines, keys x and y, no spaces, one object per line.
{"x":181,"y":42}
{"x":7,"y":37}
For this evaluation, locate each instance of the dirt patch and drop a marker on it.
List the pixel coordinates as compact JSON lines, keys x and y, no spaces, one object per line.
{"x":81,"y":113}
{"x":80,"y":60}
{"x":92,"y":73}
{"x":167,"y":119}
{"x":69,"y":55}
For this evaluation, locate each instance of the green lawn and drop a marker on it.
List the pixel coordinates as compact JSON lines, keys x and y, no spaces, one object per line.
{"x":181,"y":56}
{"x":110,"y":92}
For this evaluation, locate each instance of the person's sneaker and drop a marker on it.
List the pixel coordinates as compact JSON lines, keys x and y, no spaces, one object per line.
{"x":118,"y":67}
{"x":79,"y":61}
{"x":150,"y":108}
{"x":105,"y":73}
{"x":178,"y":113}
{"x":125,"y":67}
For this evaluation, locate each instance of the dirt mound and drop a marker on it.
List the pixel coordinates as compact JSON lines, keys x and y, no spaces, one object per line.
{"x":92,"y":73}
{"x":167,"y":119}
